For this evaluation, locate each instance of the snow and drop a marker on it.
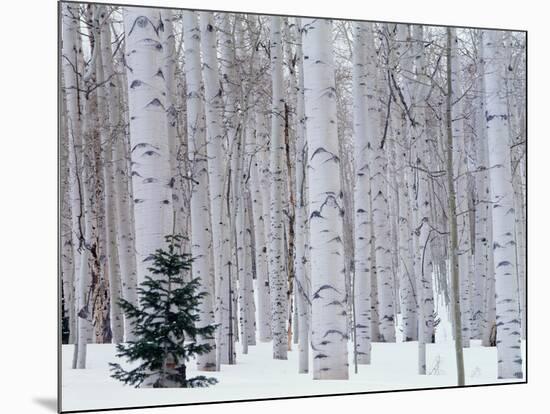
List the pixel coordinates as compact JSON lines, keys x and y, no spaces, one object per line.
{"x":257,"y":375}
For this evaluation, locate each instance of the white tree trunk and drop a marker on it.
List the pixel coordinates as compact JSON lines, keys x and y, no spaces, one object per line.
{"x":125,"y":216}
{"x":482,"y":206}
{"x":150,"y":152}
{"x":201,"y":236}
{"x":403,"y":134}
{"x":277,"y":274}
{"x":461,"y":178}
{"x":255,"y":149}
{"x":106,"y":101}
{"x":230,"y":95}
{"x":260,"y":237}
{"x":329,"y":331}
{"x":71,"y":62}
{"x":452,"y":212}
{"x":423,"y":259}
{"x":177,"y":151}
{"x":216,"y":175}
{"x":72,"y":71}
{"x":362,"y":223}
{"x":380,"y":208}
{"x":507,"y":310}
{"x":302,"y":284}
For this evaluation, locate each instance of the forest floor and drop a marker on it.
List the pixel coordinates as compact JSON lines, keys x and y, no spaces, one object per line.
{"x":257,"y":375}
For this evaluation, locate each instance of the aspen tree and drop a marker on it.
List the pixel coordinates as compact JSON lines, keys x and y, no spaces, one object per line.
{"x":507,"y":310}
{"x":201,"y":234}
{"x":329,"y":331}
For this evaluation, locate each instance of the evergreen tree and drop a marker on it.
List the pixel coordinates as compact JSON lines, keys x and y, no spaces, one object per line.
{"x":164,"y":325}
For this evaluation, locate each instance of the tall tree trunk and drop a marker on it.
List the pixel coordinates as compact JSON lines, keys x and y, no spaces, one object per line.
{"x":233,"y":129}
{"x":302,"y":283}
{"x":506,"y":289}
{"x":461,"y":185}
{"x":380,"y":208}
{"x":255,"y":150}
{"x":216,"y":174}
{"x":277,"y":274}
{"x":150,"y":154}
{"x":178,"y":159}
{"x":106,"y":102}
{"x":71,"y":64}
{"x":201,"y":235}
{"x":329,"y":304}
{"x":423,"y":259}
{"x":401,"y":62}
{"x":453,"y":220}
{"x":362,"y":265}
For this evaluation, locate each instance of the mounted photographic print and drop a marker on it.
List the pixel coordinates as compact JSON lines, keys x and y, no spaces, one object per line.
{"x":260,"y":207}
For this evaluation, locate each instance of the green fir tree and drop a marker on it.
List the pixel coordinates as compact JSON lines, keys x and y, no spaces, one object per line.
{"x":165,"y":325}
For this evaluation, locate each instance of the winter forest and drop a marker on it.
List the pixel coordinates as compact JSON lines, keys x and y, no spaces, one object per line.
{"x":349,"y":200}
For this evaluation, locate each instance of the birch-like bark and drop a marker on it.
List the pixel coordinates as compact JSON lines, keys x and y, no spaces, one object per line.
{"x":400,"y":145}
{"x":423,"y":258}
{"x":455,"y":277}
{"x":242,"y":201}
{"x":246,"y":290}
{"x":380,"y":207}
{"x":260,"y":250}
{"x":231,"y":119}
{"x":176,"y":147}
{"x":329,"y":331}
{"x":461,"y":185}
{"x":361,"y":131}
{"x":277,"y":273}
{"x":81,"y":204}
{"x":94,"y":134}
{"x":484,"y":235}
{"x":291,"y":89}
{"x":106,"y":102}
{"x":373,"y":123}
{"x":481,"y":201}
{"x":201,"y":235}
{"x":71,"y":62}
{"x":302,"y":285}
{"x":506,"y":289}
{"x":66,"y":243}
{"x":124,"y":202}
{"x":255,"y":150}
{"x":216,"y":176}
{"x":150,"y":154}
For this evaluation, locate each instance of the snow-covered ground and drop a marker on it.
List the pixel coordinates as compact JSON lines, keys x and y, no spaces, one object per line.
{"x":257,"y":375}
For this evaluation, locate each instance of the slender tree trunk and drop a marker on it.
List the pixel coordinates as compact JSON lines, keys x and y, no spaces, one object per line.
{"x":277,"y":274}
{"x":255,"y":150}
{"x":402,"y":143}
{"x":362,"y":265}
{"x":461,"y":186}
{"x":201,"y":236}
{"x":66,"y":243}
{"x":178,"y":165}
{"x":71,"y":65}
{"x":216,"y":175}
{"x":302,"y":285}
{"x":380,"y":208}
{"x":233,"y":130}
{"x":423,"y":259}
{"x":453,"y":222}
{"x":106,"y":101}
